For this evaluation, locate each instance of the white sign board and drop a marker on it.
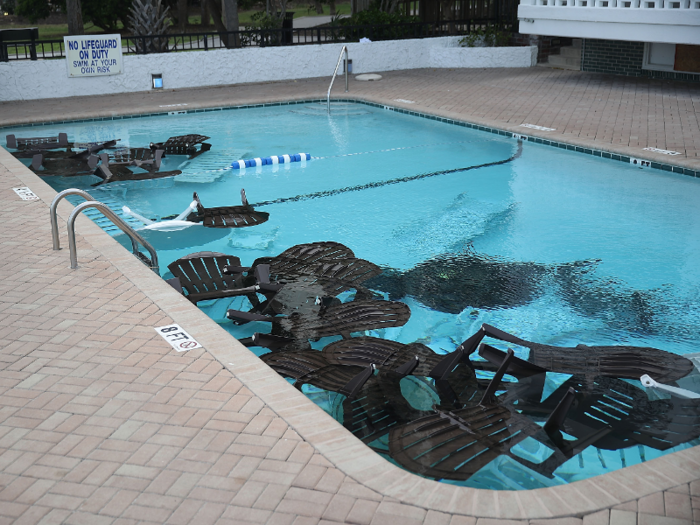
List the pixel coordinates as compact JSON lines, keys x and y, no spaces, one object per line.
{"x":93,"y":55}
{"x":177,"y":337}
{"x":26,"y":194}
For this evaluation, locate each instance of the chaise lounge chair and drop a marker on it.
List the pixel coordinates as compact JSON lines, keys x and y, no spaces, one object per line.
{"x":341,"y":319}
{"x":184,"y":145}
{"x":228,"y":216}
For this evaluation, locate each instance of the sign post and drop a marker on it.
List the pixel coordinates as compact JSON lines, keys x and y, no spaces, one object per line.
{"x":93,"y":55}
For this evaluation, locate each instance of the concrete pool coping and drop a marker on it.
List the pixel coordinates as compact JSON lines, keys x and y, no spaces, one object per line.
{"x":344,"y":450}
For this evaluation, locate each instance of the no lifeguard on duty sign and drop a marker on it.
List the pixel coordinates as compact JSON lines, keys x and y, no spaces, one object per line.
{"x":93,"y":55}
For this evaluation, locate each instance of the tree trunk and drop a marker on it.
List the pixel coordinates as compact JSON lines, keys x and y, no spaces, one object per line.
{"x":215,"y":11}
{"x":75,"y":17}
{"x":231,"y":22}
{"x":206,"y":13}
{"x":318,"y":6}
{"x":331,"y":3}
{"x":182,"y":13}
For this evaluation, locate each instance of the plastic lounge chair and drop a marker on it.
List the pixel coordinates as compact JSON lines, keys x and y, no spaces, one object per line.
{"x":456,"y":444}
{"x":310,"y":367}
{"x":295,"y":364}
{"x":200,"y":276}
{"x":300,"y":259}
{"x":144,"y":158}
{"x":342,"y":319}
{"x":38,"y":143}
{"x":607,"y":403}
{"x":58,"y":159}
{"x":184,"y":145}
{"x":379,"y":406}
{"x":329,"y":264}
{"x":384,"y":353}
{"x":120,"y":173}
{"x":319,"y":287}
{"x":629,"y":362}
{"x":228,"y":216}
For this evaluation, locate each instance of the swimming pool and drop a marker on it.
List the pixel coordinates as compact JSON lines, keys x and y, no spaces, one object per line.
{"x":629,"y":239}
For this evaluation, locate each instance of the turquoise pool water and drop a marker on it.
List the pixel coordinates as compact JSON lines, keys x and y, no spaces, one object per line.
{"x":397,"y":191}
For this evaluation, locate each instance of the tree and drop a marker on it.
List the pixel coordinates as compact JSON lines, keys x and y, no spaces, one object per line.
{"x":33,"y":9}
{"x":75,"y":17}
{"x":106,"y":14}
{"x":225,"y":15}
{"x":182,"y":15}
{"x":148,"y":18}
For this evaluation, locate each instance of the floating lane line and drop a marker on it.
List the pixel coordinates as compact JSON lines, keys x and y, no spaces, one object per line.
{"x":372,"y":185}
{"x":228,"y":168}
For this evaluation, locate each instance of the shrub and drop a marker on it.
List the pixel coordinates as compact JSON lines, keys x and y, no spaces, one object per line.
{"x":394,"y":25}
{"x":486,"y":37}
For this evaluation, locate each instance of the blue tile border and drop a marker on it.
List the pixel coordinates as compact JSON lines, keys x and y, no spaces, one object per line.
{"x":537,"y":140}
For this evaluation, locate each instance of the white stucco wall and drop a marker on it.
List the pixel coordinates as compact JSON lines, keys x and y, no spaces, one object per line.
{"x":29,"y":80}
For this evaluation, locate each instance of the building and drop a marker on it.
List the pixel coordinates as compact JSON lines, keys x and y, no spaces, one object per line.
{"x":653,"y":38}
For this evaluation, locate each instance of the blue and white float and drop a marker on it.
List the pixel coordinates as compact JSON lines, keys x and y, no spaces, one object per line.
{"x":273,"y":160}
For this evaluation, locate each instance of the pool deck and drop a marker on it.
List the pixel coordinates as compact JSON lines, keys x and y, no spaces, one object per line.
{"x":102,"y":422}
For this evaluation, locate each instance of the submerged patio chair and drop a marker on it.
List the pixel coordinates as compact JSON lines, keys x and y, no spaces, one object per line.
{"x":302,"y":258}
{"x":145,"y":158}
{"x":626,"y":411}
{"x":456,"y":444}
{"x":120,"y":173}
{"x":330,"y":264}
{"x":628,"y":362}
{"x":384,"y":353}
{"x":198,"y":276}
{"x":38,"y":143}
{"x":184,"y":145}
{"x":228,"y":216}
{"x":341,"y":319}
{"x":310,"y":367}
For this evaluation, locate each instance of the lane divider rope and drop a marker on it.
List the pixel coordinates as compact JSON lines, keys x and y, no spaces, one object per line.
{"x":371,"y":185}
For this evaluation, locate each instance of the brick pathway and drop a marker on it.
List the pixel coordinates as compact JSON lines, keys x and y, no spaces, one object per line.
{"x":101,"y":422}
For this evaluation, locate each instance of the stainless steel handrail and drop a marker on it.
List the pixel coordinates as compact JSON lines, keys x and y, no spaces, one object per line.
{"x":335,"y":72}
{"x":54,"y":206}
{"x":123,"y":226}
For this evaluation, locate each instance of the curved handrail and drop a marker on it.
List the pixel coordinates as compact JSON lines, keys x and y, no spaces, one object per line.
{"x":54,"y":206}
{"x":335,"y":72}
{"x":123,"y":226}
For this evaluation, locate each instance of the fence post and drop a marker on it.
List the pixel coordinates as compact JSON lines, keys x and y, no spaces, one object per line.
{"x":206,"y":42}
{"x":32,"y":48}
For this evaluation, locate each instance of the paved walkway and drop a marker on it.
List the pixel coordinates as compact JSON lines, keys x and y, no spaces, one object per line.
{"x":101,"y":422}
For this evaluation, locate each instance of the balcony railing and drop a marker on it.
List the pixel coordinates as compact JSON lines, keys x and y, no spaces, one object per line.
{"x":619,"y":4}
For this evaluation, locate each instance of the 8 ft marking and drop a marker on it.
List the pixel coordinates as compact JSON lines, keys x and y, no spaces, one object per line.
{"x":178,"y":338}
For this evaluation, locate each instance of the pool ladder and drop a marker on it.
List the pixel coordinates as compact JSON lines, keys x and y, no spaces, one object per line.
{"x":328,"y":97}
{"x":152,"y":263}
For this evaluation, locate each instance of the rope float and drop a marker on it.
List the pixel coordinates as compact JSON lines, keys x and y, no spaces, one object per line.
{"x":379,"y":184}
{"x":274,"y":159}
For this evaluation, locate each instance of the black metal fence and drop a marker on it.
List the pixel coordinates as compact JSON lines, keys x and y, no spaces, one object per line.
{"x":46,"y":49}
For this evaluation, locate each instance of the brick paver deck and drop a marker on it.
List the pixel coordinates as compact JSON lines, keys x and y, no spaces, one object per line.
{"x":102,"y":422}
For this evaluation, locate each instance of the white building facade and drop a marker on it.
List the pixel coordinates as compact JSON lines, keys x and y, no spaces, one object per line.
{"x":655,"y":38}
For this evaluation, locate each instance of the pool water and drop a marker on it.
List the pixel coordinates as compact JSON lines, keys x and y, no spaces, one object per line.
{"x":410,"y":194}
